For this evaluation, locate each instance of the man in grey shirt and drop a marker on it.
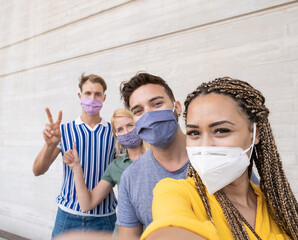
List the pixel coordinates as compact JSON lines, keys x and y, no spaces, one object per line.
{"x":155,"y":112}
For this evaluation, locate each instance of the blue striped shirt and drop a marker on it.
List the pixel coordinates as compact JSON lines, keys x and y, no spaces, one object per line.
{"x":96,"y":149}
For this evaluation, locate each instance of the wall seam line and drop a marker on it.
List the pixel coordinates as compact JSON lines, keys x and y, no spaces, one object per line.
{"x":154,"y":37}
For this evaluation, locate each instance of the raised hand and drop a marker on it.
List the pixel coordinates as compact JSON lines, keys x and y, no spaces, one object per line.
{"x":51,"y":132}
{"x":71,"y":157}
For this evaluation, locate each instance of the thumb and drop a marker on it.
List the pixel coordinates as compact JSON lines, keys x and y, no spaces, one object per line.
{"x":74,"y":149}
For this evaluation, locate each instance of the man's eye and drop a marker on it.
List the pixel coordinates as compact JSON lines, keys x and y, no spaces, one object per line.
{"x":157,"y":104}
{"x":137,"y":112}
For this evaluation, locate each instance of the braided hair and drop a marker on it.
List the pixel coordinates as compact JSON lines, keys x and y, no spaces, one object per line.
{"x":280,"y":200}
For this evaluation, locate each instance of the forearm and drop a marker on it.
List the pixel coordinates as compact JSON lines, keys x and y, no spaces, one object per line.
{"x":131,"y":232}
{"x":44,"y":159}
{"x":173,"y":233}
{"x":86,"y":199}
{"x":83,"y":193}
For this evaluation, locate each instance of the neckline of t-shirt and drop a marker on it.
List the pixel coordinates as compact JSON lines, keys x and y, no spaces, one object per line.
{"x":156,"y":163}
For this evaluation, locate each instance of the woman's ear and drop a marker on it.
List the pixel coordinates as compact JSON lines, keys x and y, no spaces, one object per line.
{"x":257,"y":139}
{"x":79,"y":95}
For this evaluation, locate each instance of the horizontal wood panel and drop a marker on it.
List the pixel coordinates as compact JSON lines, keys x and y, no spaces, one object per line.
{"x":124,"y":25}
{"x":188,"y":60}
{"x":29,"y":18}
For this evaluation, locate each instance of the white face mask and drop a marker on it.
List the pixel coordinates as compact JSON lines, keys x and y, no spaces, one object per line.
{"x":219,"y":166}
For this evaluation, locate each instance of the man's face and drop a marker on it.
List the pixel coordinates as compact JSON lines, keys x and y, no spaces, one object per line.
{"x":93,"y":91}
{"x":149,"y":97}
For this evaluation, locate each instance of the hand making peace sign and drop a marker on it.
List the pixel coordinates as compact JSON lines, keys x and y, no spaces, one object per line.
{"x":51,"y":132}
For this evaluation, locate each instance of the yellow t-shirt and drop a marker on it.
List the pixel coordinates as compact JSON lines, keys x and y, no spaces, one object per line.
{"x":177,"y":203}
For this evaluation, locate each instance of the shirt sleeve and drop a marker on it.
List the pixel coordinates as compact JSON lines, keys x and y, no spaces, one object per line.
{"x":107,"y":174}
{"x":255,"y":179}
{"x":126,"y":214}
{"x":172,"y":206}
{"x":59,"y":145}
{"x":60,"y":142}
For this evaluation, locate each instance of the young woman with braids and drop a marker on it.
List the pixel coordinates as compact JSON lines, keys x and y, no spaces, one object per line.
{"x":227,"y":130}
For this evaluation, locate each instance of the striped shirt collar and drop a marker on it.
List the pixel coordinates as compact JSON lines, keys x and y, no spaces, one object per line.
{"x":79,"y":121}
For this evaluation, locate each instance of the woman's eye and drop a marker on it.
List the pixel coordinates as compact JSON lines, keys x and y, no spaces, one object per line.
{"x":222,"y":130}
{"x":192,"y":133}
{"x":119,"y":130}
{"x":130,"y":127}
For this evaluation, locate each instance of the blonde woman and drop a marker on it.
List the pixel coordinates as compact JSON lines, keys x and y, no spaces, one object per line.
{"x":124,"y":131}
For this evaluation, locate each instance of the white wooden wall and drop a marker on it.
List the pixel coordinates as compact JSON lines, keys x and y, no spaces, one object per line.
{"x":45,"y":46}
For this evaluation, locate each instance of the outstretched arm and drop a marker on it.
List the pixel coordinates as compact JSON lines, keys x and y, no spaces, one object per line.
{"x":178,"y":213}
{"x":131,"y":232}
{"x":173,"y":233}
{"x":49,"y":152}
{"x":86,"y":199}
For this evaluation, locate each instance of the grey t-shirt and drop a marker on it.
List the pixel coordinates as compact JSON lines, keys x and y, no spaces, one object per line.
{"x":136,"y":189}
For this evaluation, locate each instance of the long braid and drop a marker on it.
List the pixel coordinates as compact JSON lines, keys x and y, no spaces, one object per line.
{"x":233,"y":216}
{"x":275,"y":185}
{"x":281,"y":202}
{"x":201,"y":190}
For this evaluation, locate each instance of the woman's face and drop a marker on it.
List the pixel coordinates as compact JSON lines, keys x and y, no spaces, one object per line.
{"x":123,"y":125}
{"x":217,"y":120}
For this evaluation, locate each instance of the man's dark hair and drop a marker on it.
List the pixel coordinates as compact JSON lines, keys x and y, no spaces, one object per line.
{"x":141,"y":79}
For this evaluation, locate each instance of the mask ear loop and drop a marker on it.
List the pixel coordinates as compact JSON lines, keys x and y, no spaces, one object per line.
{"x":253,"y":139}
{"x":173,"y":110}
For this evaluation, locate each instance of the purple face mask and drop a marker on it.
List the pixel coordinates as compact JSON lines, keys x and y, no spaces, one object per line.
{"x":91,"y":106}
{"x":130,"y":140}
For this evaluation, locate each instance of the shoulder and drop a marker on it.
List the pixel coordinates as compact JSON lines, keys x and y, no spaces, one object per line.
{"x":141,"y":162}
{"x":133,"y":172}
{"x":76,"y":121}
{"x":176,"y":185}
{"x":104,"y":123}
{"x":117,"y":161}
{"x":67,"y":125}
{"x":257,"y":189}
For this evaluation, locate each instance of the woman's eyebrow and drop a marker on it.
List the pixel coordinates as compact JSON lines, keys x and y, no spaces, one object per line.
{"x":220,"y":123}
{"x":210,"y":125}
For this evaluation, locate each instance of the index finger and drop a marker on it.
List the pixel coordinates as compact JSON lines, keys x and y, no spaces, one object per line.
{"x":59,"y":117}
{"x":50,"y":118}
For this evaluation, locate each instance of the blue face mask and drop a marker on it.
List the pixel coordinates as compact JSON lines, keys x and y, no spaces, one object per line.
{"x":130,"y":140}
{"x":158,"y":128}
